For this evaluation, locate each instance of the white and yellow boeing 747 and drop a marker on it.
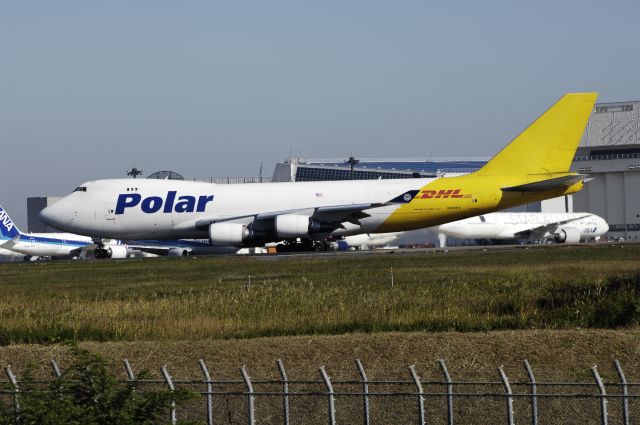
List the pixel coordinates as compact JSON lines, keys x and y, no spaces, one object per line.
{"x":534,"y":166}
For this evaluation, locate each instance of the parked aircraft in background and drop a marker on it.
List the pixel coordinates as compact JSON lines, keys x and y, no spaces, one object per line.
{"x":39,"y":244}
{"x":534,"y":166}
{"x":559,"y":227}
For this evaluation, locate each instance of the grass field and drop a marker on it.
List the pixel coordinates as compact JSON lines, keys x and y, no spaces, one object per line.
{"x":564,"y":308}
{"x":210,"y":298}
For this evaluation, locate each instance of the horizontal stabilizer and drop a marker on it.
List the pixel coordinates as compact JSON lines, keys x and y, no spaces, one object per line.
{"x":548,"y":184}
{"x":10,"y":243}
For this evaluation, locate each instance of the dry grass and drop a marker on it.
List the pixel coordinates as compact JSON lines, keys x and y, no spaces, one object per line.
{"x":554,"y":354}
{"x":192,"y":299}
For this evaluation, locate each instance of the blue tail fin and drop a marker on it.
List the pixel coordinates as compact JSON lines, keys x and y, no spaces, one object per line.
{"x":8,"y":230}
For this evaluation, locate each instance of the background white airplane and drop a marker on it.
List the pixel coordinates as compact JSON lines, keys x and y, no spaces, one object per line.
{"x":560,"y":227}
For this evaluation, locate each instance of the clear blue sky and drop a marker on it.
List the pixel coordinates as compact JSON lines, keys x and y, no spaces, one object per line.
{"x":205,"y":88}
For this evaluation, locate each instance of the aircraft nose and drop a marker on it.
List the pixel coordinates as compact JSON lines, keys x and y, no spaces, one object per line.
{"x":56,"y":215}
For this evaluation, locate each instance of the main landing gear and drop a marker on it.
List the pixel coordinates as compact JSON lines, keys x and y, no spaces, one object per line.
{"x":302,"y":245}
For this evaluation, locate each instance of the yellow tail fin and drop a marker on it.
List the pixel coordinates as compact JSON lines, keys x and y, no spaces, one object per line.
{"x":549,"y":144}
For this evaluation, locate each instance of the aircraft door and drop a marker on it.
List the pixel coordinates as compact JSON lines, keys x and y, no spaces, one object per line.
{"x":109,"y":213}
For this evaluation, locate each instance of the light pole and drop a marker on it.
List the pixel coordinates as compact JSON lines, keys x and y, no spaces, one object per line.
{"x":134,"y":172}
{"x":352,"y":162}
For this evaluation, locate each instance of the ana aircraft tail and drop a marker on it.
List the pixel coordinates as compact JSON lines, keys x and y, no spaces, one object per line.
{"x":8,"y":229}
{"x":547,"y":147}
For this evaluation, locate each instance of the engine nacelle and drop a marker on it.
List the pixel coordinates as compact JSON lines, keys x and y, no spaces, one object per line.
{"x":224,"y":234}
{"x":291,"y":226}
{"x":178,"y":252}
{"x":566,"y":235}
{"x":111,"y":251}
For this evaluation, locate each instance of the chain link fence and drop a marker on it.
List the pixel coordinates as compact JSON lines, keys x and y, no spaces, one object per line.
{"x":407,"y":400}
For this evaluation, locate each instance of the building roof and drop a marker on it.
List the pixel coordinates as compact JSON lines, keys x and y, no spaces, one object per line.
{"x":613,"y":124}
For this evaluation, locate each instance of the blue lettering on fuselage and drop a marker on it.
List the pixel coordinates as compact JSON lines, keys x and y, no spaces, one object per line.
{"x":153,"y":204}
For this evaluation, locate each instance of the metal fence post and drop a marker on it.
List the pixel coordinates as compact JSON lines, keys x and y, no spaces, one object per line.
{"x":625,"y":392}
{"x":534,"y":392}
{"x":365,"y":390}
{"x":332,"y":406}
{"x":285,"y":391}
{"x":56,"y":369}
{"x":603,"y":395}
{"x":131,"y":378}
{"x":507,"y":388}
{"x":247,"y":381}
{"x":207,"y":378}
{"x":416,"y":380}
{"x":16,"y":390}
{"x":57,"y":374}
{"x":169,"y":381}
{"x":127,"y":368}
{"x":447,"y":377}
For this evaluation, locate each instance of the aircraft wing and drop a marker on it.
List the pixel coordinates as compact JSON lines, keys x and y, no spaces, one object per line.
{"x":329,"y":215}
{"x":10,"y":243}
{"x":333,"y":214}
{"x":538,"y":232}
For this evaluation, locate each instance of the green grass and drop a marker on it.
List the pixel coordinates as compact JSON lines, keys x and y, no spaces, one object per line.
{"x":204,"y":298}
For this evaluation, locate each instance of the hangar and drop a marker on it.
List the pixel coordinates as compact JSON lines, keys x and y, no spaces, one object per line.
{"x":610,"y":153}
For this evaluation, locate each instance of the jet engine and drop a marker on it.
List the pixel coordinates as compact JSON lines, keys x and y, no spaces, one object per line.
{"x":111,"y":251}
{"x":566,"y":235}
{"x":228,"y":233}
{"x":291,"y":226}
{"x":178,"y":252}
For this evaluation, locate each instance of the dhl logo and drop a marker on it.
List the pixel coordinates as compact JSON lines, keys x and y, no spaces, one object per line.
{"x":442,"y":193}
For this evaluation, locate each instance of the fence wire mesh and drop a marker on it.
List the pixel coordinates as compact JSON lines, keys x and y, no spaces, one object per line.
{"x":356,"y":398}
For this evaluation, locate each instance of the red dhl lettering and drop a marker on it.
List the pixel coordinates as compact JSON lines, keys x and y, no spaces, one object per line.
{"x":442,"y":193}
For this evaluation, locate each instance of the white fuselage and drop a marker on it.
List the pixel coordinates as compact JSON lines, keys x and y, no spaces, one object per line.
{"x":48,"y":244}
{"x":94,"y":209}
{"x":507,"y":225}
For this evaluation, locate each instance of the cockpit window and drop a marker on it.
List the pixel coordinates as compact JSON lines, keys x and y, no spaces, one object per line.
{"x":482,"y":219}
{"x":80,"y":189}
